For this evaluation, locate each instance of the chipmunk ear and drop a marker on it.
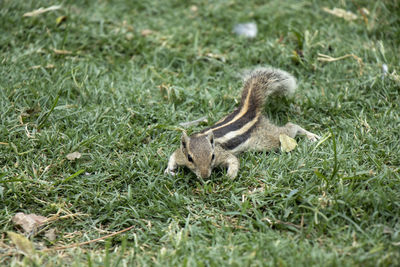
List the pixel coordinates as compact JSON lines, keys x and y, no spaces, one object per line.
{"x":184,"y":141}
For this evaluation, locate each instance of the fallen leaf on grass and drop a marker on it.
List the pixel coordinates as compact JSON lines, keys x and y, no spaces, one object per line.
{"x":51,"y":234}
{"x":341,"y":13}
{"x":74,"y":155}
{"x":216,"y":56}
{"x":28,"y":222}
{"x":61,"y":52}
{"x":22,"y":243}
{"x":287,"y":143}
{"x":395,"y":77}
{"x":146,"y":32}
{"x":129,"y":36}
{"x":60,"y":20}
{"x":364,"y":11}
{"x":193,"y":8}
{"x":40,"y":11}
{"x":48,"y":66}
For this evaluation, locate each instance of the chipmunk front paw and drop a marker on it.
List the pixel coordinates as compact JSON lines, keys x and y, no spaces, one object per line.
{"x":169,"y":171}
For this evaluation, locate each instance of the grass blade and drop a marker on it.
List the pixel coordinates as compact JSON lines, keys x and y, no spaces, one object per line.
{"x":46,"y":116}
{"x":72,"y":176}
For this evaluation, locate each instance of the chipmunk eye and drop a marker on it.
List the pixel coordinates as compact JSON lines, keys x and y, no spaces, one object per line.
{"x":190,"y":159}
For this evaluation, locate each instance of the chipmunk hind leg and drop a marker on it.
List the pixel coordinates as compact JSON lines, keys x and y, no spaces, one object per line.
{"x":293,"y":130}
{"x":266,"y":137}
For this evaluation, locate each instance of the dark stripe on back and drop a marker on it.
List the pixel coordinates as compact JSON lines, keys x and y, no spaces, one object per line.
{"x":240,"y":139}
{"x":253,"y":106}
{"x":227,"y":119}
{"x":248,"y":116}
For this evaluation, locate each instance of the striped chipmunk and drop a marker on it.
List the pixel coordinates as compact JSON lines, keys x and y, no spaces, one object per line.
{"x":246,"y":128}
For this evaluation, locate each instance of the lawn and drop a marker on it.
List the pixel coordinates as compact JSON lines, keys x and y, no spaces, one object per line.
{"x":113,"y":80}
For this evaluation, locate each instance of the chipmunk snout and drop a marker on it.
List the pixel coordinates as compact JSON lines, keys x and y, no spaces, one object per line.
{"x":204,"y":173}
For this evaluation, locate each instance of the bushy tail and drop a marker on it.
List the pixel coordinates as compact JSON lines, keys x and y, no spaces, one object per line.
{"x":260,"y":83}
{"x":263,"y":82}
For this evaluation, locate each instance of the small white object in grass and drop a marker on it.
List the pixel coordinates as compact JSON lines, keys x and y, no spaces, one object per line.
{"x":193,"y":8}
{"x":384,"y":70}
{"x":248,"y":30}
{"x":74,"y":155}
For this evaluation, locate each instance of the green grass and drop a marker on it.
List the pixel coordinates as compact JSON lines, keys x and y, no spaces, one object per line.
{"x":119,"y":96}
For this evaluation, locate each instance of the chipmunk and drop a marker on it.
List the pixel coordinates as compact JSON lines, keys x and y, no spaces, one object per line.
{"x":243,"y":129}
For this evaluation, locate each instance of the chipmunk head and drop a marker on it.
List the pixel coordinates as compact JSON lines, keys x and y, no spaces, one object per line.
{"x":199,"y":152}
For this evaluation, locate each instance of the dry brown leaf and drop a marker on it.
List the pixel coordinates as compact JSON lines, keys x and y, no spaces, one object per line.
{"x":40,"y":11}
{"x":22,"y":243}
{"x":216,"y":56}
{"x":326,"y":58}
{"x":341,"y":13}
{"x":61,"y":52}
{"x":146,"y":32}
{"x":74,"y":155}
{"x":129,"y":36}
{"x":193,"y":8}
{"x":364,"y":11}
{"x":287,"y":143}
{"x":28,"y":222}
{"x":48,"y":66}
{"x":51,"y":234}
{"x":395,"y":77}
{"x":195,"y":122}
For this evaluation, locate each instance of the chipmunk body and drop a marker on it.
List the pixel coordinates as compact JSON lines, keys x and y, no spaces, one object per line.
{"x":246,"y":128}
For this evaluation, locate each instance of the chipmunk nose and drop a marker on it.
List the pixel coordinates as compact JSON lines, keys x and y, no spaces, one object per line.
{"x":205,"y":173}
